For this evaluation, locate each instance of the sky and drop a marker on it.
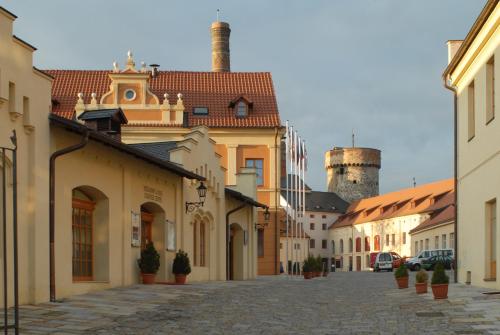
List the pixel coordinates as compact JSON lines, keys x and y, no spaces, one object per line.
{"x":370,"y":65}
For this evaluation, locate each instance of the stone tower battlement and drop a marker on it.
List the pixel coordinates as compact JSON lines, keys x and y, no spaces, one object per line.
{"x":353,"y":173}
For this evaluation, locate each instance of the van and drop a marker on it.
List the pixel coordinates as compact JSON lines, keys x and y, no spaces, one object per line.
{"x":415,"y":263}
{"x":383,"y":261}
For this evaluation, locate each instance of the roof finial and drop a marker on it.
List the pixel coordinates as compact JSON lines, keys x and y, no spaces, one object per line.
{"x":115,"y":67}
{"x":353,"y":137}
{"x":218,"y":14}
{"x":130,"y":61}
{"x":414,"y":182}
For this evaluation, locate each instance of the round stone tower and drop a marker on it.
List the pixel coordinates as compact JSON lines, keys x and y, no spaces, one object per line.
{"x":352,"y":173}
{"x":220,"y":47}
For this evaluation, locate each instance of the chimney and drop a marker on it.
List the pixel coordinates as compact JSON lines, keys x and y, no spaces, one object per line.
{"x":220,"y":47}
{"x":453,"y":46}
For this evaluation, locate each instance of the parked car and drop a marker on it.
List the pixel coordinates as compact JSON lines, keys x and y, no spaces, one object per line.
{"x":396,"y":260}
{"x":383,"y":261}
{"x":429,"y":263}
{"x":373,"y":257}
{"x":415,"y":263}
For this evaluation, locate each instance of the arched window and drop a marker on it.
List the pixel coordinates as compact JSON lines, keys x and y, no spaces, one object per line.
{"x":241,"y":109}
{"x":341,"y":246}
{"x":350,"y":244}
{"x":367,"y":243}
{"x":90,"y":235}
{"x":358,"y":244}
{"x":333,"y":247}
{"x":377,"y":243}
{"x":200,"y":243}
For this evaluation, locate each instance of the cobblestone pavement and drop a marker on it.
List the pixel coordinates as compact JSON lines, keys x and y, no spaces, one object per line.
{"x":343,"y":303}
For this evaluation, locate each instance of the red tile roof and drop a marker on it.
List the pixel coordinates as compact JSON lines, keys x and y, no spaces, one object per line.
{"x":400,"y":203}
{"x":214,"y":90}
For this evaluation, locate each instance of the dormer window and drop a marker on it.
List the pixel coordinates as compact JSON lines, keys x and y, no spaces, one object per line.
{"x":200,"y":110}
{"x":241,"y":109}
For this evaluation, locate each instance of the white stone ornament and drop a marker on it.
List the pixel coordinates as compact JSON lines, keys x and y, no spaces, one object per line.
{"x":115,"y":67}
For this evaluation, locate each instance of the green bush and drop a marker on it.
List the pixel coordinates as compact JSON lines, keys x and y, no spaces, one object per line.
{"x":306,"y":267}
{"x":401,"y":272}
{"x":439,"y":276}
{"x":150,"y":259}
{"x":422,"y":276}
{"x":181,"y":265}
{"x":319,"y":264}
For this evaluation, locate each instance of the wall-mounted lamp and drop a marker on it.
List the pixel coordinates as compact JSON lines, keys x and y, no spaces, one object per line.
{"x":202,"y":194}
{"x":267,"y":215}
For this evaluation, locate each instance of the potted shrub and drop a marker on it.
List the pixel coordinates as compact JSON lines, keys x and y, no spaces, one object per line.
{"x":306,"y":269}
{"x":181,"y":267}
{"x":319,"y":266}
{"x":401,"y":275}
{"x":439,"y":282}
{"x":421,"y":282}
{"x":149,"y":263}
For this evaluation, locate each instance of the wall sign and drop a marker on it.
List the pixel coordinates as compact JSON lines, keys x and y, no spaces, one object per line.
{"x":151,"y":193}
{"x":136,"y":229}
{"x":170,"y":235}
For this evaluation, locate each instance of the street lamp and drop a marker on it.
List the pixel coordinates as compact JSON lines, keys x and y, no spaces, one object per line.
{"x":267,"y":215}
{"x":202,"y":194}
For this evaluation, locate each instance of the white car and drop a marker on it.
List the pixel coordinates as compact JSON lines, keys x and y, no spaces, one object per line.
{"x":383,"y":261}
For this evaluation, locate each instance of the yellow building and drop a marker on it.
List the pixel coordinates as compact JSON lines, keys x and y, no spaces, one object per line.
{"x":239,"y":108}
{"x":384,"y":223}
{"x":470,"y":74}
{"x":84,"y":217}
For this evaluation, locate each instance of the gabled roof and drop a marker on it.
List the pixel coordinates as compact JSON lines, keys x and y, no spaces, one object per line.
{"x":214,"y":90}
{"x":104,"y":114}
{"x":325,"y":202}
{"x":440,"y":216}
{"x":243,"y":198}
{"x":400,"y":203}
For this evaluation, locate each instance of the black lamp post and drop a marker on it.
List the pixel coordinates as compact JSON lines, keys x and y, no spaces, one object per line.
{"x":202,"y":194}
{"x":267,"y":215}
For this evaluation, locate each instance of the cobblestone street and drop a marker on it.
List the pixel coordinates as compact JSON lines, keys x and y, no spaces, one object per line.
{"x":343,"y":303}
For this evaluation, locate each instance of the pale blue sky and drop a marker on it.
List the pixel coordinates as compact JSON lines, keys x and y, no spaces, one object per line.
{"x":374,"y":66}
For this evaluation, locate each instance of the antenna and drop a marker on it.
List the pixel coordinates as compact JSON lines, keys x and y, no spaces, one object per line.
{"x":414,"y":182}
{"x":218,"y":14}
{"x":353,"y":137}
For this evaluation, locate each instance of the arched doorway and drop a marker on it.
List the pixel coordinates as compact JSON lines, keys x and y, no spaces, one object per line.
{"x":236,"y":257}
{"x":153,"y":230}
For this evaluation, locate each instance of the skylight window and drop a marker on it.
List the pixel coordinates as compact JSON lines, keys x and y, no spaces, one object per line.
{"x":200,"y":111}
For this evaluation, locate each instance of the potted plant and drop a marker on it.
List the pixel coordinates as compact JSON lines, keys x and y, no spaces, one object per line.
{"x":439,"y":282}
{"x":319,"y":266}
{"x":421,"y":282}
{"x":149,"y":263}
{"x":306,"y":269}
{"x":181,"y":267}
{"x":401,"y":275}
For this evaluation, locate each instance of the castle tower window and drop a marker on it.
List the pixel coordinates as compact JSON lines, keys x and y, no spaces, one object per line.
{"x":241,"y":109}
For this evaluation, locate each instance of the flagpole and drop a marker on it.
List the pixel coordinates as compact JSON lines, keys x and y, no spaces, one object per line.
{"x":287,"y":139}
{"x":296,"y":202}
{"x":303,"y":192}
{"x":291,"y":199}
{"x":299,"y":201}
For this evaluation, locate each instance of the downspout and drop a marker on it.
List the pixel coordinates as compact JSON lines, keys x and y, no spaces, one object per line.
{"x":455,"y":170}
{"x":228,"y":237}
{"x":277,"y":174}
{"x":52,"y":184}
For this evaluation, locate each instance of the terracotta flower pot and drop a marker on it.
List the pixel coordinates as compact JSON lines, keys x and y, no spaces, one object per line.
{"x":325,"y":274}
{"x":402,"y":282}
{"x":148,"y":278}
{"x":421,"y":287}
{"x":440,"y":291}
{"x":317,"y":274}
{"x":180,"y":279}
{"x":308,"y":275}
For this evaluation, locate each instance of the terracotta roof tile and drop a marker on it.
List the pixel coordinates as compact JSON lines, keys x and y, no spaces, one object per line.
{"x":214,"y":90}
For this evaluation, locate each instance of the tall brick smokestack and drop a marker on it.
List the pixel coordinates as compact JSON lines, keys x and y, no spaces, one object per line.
{"x":220,"y":47}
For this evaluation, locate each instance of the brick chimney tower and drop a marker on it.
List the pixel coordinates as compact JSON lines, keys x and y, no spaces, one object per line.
{"x":220,"y":47}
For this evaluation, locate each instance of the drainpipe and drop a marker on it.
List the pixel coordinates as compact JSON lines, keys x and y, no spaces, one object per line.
{"x":228,"y":237}
{"x":277,"y":174}
{"x":52,"y":184}
{"x":455,"y":170}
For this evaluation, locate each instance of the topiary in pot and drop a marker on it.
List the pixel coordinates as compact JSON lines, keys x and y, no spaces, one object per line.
{"x":149,"y":263}
{"x":401,"y":275}
{"x":421,"y":279}
{"x":306,"y":269}
{"x":181,"y":267}
{"x":439,"y":282}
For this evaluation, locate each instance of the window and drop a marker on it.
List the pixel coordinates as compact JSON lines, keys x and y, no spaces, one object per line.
{"x":358,"y":244}
{"x":443,"y":241}
{"x":387,"y":240}
{"x":323,"y":216}
{"x":367,"y":243}
{"x":202,"y":244}
{"x":281,"y":245}
{"x":367,"y":261}
{"x":83,"y":239}
{"x":490,"y":90}
{"x":471,"y":117}
{"x":341,"y":170}
{"x":297,"y":246}
{"x":427,"y":244}
{"x":350,"y":244}
{"x":26,"y":111}
{"x":341,"y":246}
{"x":312,"y":243}
{"x":311,"y":226}
{"x":260,"y":243}
{"x":12,"y":97}
{"x":377,"y":242}
{"x":324,"y":226}
{"x":258,"y":165}
{"x":241,"y":109}
{"x":129,"y":95}
{"x":436,"y":242}
{"x":416,"y":248}
{"x":393,"y":239}
{"x":404,"y":237}
{"x":421,"y":245}
{"x":200,"y":110}
{"x":195,"y":243}
{"x":311,"y":216}
{"x":452,"y":240}
{"x":491,"y":236}
{"x":333,"y":247}
{"x":324,"y":244}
